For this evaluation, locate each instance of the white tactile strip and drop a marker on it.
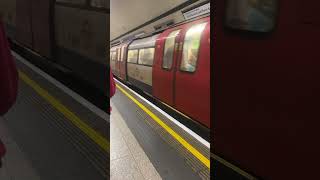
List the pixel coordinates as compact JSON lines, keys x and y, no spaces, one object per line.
{"x":127,"y":158}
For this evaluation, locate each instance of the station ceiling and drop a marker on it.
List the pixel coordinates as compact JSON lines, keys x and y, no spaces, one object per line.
{"x":128,"y":14}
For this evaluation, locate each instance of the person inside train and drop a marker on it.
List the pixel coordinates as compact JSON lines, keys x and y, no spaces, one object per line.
{"x":168,"y":55}
{"x":190,"y":65}
{"x":8,"y":80}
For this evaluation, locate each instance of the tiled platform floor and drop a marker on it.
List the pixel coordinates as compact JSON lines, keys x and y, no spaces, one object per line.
{"x":127,"y":158}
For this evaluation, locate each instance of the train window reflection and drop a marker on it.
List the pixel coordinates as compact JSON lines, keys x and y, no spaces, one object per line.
{"x":118,"y":53}
{"x":99,"y":3}
{"x":251,"y":15}
{"x":122,"y":53}
{"x":72,"y":1}
{"x":191,"y":48}
{"x":133,"y":56}
{"x":113,"y":56}
{"x":146,"y":56}
{"x":169,"y":50}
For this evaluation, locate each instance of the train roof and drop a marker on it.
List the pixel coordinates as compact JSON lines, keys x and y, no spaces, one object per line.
{"x":144,"y":42}
{"x":158,"y":31}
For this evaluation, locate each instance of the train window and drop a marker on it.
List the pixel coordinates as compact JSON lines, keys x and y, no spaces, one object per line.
{"x":72,"y":1}
{"x":133,"y":56}
{"x":251,"y":15}
{"x":146,"y":56}
{"x":122,"y":53}
{"x":99,"y":3}
{"x":191,"y":48}
{"x":169,"y":50}
{"x":113,"y":56}
{"x":119,"y":53}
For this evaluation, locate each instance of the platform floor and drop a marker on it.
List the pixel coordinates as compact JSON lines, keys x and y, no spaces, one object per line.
{"x":15,"y":160}
{"x":127,"y":158}
{"x":51,"y":135}
{"x":143,"y":149}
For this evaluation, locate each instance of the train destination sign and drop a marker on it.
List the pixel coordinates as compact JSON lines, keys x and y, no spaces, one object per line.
{"x":201,"y":10}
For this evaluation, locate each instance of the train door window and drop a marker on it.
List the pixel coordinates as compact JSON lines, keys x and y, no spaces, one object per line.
{"x":191,"y":48}
{"x":122,"y":53}
{"x":99,"y":3}
{"x":132,"y":56}
{"x":78,"y":2}
{"x":169,"y":50}
{"x":112,"y":56}
{"x":119,"y":54}
{"x":146,"y":56}
{"x":251,"y":15}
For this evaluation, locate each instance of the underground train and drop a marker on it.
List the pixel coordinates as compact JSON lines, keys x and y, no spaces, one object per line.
{"x":266,"y":88}
{"x":70,"y":34}
{"x":173,"y":66}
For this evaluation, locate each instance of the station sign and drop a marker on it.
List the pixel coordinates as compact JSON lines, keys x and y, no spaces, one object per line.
{"x":201,"y":10}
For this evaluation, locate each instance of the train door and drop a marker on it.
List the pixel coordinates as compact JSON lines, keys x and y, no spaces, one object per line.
{"x":23,"y":22}
{"x":34,"y":25}
{"x":113,"y":61}
{"x":118,"y":61}
{"x":42,"y":26}
{"x":192,"y":79}
{"x":122,"y":64}
{"x":115,"y":71}
{"x":165,"y":66}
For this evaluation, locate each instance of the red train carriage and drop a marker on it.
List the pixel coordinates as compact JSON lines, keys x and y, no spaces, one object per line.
{"x":172,"y":66}
{"x":181,"y":70}
{"x":266,"y":87}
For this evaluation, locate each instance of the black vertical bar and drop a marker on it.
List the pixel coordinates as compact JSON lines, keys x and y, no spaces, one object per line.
{"x":31,"y":21}
{"x":52,"y":29}
{"x":88,"y":3}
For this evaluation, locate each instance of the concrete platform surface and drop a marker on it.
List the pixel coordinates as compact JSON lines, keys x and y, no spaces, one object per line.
{"x":16,"y":165}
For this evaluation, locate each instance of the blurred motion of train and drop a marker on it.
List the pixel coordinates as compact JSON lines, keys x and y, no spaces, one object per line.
{"x":266,"y":87}
{"x":172,"y":65}
{"x":69,"y":33}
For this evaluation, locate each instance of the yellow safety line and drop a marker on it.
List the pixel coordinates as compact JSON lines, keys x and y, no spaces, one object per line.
{"x":96,"y":137}
{"x":188,"y":146}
